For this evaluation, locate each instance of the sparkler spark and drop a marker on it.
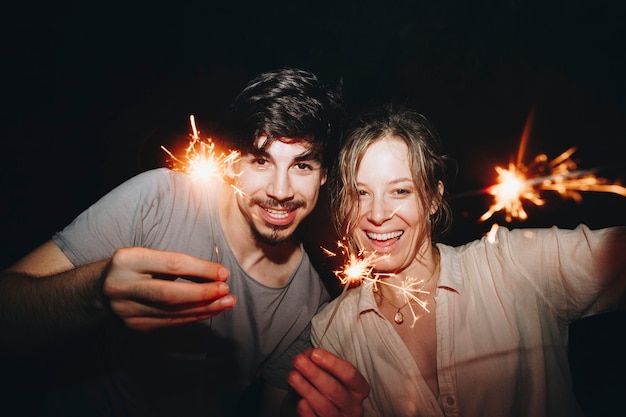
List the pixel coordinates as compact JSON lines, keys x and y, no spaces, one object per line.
{"x":358,"y":269}
{"x":200,"y":159}
{"x":522,"y":182}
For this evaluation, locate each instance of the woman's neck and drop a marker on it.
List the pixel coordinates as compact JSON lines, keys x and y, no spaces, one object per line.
{"x":420,"y":277}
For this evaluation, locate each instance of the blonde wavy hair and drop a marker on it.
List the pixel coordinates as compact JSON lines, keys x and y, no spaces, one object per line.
{"x":428,"y":167}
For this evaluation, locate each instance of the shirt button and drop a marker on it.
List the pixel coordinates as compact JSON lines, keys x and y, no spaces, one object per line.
{"x":450,"y":400}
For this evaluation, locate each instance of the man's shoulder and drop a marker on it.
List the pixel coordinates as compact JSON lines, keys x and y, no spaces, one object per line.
{"x":165,"y":181}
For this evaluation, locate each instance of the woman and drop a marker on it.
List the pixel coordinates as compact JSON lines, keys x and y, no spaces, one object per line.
{"x":475,"y":330}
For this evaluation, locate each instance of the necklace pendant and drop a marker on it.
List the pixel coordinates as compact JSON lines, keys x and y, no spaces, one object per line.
{"x":398,"y":317}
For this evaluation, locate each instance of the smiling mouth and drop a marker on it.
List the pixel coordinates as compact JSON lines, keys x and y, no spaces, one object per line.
{"x":277,"y":214}
{"x":278,"y":217}
{"x":383,"y":237}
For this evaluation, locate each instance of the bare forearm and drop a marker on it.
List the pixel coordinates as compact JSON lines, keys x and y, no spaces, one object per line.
{"x":35,"y":311}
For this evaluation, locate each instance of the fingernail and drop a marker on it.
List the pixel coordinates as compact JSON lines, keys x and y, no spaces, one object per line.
{"x":223,"y":273}
{"x":316,"y":355}
{"x":228,"y":301}
{"x":223,"y":288}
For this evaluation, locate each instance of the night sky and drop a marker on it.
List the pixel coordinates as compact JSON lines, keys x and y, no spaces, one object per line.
{"x":91,"y":90}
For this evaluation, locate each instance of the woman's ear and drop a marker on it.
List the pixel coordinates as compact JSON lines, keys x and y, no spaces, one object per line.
{"x":434,"y":205}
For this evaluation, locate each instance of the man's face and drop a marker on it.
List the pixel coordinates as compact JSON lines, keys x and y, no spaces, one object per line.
{"x":279,"y":188}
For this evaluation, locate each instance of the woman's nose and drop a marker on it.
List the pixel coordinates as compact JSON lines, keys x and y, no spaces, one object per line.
{"x":379,"y":212}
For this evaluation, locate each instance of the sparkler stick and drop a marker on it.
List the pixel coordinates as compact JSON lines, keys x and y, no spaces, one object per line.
{"x":353,"y":272}
{"x":202,"y":162}
{"x":332,"y":316}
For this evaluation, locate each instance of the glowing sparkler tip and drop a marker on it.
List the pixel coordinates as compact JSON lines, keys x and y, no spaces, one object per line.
{"x":521,"y":183}
{"x":201,"y":159}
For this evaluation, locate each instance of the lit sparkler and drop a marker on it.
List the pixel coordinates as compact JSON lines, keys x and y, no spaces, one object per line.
{"x":358,"y":269}
{"x":200,"y":159}
{"x":522,"y":182}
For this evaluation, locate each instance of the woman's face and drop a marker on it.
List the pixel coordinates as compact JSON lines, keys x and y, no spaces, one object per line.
{"x":390,"y":217}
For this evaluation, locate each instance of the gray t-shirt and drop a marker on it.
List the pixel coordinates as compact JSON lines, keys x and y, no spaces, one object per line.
{"x":218,"y":358}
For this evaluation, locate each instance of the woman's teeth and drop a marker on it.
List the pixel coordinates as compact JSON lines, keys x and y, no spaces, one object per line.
{"x":384,"y":236}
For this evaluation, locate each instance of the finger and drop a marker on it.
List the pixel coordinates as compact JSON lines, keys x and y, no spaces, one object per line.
{"x":324,"y":391}
{"x":150,"y":261}
{"x":341,"y":369}
{"x":176,"y":293}
{"x":132,"y":308}
{"x":304,"y":409}
{"x":315,"y":402}
{"x":152,"y":323}
{"x":141,"y":317}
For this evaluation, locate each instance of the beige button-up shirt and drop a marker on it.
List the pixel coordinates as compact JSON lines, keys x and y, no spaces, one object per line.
{"x":503,"y":307}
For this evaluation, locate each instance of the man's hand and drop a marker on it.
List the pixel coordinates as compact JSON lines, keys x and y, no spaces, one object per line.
{"x":328,"y":385}
{"x":145,"y":302}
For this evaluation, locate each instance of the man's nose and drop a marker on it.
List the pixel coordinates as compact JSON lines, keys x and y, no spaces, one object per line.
{"x":280,"y":187}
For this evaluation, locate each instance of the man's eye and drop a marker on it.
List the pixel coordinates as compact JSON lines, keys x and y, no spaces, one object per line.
{"x":304,"y":167}
{"x":259,"y":161}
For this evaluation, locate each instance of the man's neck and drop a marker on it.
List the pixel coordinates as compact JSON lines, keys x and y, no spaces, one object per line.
{"x":271,"y":265}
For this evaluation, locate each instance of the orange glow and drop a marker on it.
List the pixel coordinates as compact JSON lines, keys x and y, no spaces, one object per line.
{"x":522,"y":182}
{"x":358,"y":270}
{"x":200,"y":159}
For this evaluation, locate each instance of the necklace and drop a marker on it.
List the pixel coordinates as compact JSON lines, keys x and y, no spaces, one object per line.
{"x":398,"y":317}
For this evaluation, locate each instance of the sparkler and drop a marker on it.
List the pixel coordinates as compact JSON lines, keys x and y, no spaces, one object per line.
{"x":202,"y":162}
{"x":358,"y":269}
{"x":522,"y":182}
{"x":200,"y":159}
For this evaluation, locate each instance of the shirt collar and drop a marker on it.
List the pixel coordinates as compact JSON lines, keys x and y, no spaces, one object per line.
{"x":366,"y":299}
{"x":450,"y":274}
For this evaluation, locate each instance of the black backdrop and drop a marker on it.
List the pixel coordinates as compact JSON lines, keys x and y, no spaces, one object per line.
{"x":91,"y":91}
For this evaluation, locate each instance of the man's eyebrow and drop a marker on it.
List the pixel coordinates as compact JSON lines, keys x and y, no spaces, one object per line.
{"x":308,"y":155}
{"x":260,"y":152}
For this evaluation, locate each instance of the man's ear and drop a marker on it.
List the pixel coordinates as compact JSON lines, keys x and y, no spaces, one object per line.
{"x":434,"y":205}
{"x":232,"y":172}
{"x":324,"y":176}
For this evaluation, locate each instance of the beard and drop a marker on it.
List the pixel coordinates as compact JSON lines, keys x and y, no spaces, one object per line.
{"x":273,"y":238}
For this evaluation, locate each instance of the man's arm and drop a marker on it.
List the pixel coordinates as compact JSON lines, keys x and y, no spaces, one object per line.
{"x":43,"y":297}
{"x":328,"y":385}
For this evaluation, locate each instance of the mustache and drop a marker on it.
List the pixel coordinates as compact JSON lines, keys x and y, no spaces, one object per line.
{"x":276,"y":204}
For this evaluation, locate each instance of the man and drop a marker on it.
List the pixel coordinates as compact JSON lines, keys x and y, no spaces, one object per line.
{"x":170,"y":296}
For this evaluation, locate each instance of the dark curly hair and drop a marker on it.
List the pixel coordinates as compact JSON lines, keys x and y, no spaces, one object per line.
{"x":287,"y":104}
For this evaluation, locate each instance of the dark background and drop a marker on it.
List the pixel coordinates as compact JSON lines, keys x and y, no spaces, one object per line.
{"x":91,"y":90}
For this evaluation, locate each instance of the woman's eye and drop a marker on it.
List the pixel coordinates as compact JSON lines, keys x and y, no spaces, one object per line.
{"x":402,"y":191}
